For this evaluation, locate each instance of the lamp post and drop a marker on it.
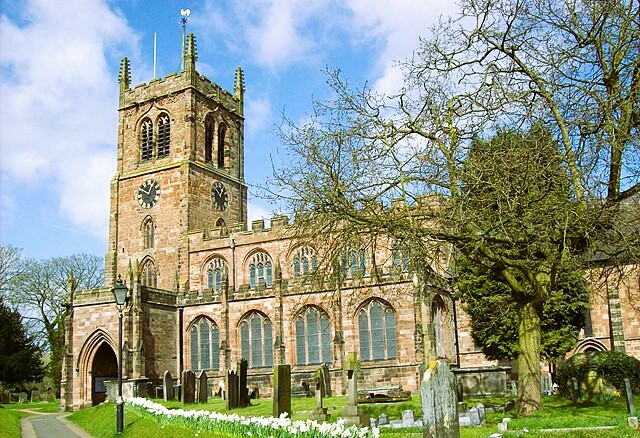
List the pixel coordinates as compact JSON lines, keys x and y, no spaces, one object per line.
{"x":120,"y":292}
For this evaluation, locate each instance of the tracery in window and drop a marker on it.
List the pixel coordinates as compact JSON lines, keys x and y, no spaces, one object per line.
{"x":377,"y":331}
{"x":215,"y":272}
{"x":204,"y":344}
{"x":313,"y":336}
{"x":148,"y":230}
{"x":222,"y":131}
{"x":260,"y":270}
{"x":164,"y":135}
{"x":256,"y":340}
{"x":304,"y":261}
{"x":400,"y":257}
{"x":146,"y":140}
{"x":208,"y":140}
{"x":354,"y":261}
{"x":148,"y":271}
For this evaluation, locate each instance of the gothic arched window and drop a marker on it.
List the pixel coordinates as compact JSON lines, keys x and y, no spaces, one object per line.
{"x":377,"y":330}
{"x":146,"y":140}
{"x":354,"y":261}
{"x":304,"y":261}
{"x":438,"y":310}
{"x":164,"y":135}
{"x":260,"y":270}
{"x":400,"y":257}
{"x":204,"y":337}
{"x":149,"y":277}
{"x":208,"y":140}
{"x":222,"y":131}
{"x":313,"y":337}
{"x":215,"y":271}
{"x":148,"y":230}
{"x":256,"y":340}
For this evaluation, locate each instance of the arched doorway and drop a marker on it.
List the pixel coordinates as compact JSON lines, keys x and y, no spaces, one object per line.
{"x":104,"y":367}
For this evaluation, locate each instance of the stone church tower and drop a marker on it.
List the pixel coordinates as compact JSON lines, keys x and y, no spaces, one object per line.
{"x":180,"y":168}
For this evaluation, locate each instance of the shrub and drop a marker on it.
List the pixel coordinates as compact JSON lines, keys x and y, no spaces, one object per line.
{"x":612,"y":366}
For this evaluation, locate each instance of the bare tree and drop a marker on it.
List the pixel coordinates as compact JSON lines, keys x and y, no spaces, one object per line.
{"x":41,"y":295}
{"x":572,"y":66}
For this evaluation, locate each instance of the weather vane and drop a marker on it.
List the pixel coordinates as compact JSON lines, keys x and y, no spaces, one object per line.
{"x":184,"y":19}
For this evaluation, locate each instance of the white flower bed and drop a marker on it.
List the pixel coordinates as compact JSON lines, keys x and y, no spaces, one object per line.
{"x":282,"y":427}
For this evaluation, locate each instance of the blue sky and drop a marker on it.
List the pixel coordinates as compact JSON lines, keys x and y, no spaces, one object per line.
{"x":59,"y":63}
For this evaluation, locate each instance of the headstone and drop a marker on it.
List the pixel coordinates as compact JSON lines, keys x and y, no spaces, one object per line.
{"x":514,"y":389}
{"x":281,"y":390}
{"x":575,"y":390}
{"x":320,"y":412}
{"x":631,"y":409}
{"x":481,"y":412}
{"x":326,"y":379}
{"x":167,"y":386}
{"x":502,"y":427}
{"x":633,"y":423}
{"x":407,"y":418}
{"x":439,"y":402}
{"x":243,"y":389}
{"x":373,"y":422}
{"x":202,"y":387}
{"x":231,"y":395}
{"x":23,"y":397}
{"x":474,"y":416}
{"x":188,"y":387}
{"x":463,"y":420}
{"x":352,"y":413}
{"x":383,"y":420}
{"x":177,"y":391}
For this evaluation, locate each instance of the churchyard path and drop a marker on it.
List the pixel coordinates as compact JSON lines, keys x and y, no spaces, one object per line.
{"x":53,"y":425}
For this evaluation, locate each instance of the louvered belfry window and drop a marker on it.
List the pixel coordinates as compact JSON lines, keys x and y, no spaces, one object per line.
{"x":164,"y":136}
{"x":146,"y":140}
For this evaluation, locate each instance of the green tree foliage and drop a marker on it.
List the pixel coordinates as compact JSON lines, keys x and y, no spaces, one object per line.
{"x":20,"y":357}
{"x":494,"y":316}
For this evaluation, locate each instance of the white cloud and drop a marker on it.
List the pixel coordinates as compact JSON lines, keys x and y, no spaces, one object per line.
{"x":257,"y":114}
{"x":256,"y":212}
{"x":58,"y":121}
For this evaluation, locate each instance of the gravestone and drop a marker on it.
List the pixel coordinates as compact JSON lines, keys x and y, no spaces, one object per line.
{"x":631,"y":409}
{"x":575,"y":390}
{"x":167,"y":386}
{"x":407,"y":418}
{"x":352,"y":413}
{"x":320,"y":412}
{"x":188,"y":387}
{"x":383,"y":420}
{"x":281,"y":390}
{"x":243,"y":390}
{"x":231,"y":396}
{"x":439,"y":403}
{"x":23,"y":397}
{"x":481,"y":412}
{"x":514,"y":389}
{"x":203,"y":388}
{"x":474,"y":416}
{"x":326,"y":379}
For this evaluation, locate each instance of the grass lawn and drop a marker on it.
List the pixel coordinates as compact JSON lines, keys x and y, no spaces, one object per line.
{"x":556,"y":413}
{"x":10,"y":416}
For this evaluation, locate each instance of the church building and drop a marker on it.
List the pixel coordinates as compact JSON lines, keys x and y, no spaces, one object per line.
{"x":205,"y":292}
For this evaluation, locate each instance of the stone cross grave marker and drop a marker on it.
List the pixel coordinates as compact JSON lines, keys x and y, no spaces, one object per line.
{"x":188,"y":387}
{"x":167,"y":386}
{"x":320,"y":412}
{"x":281,"y":390}
{"x":439,"y":402}
{"x":203,"y":387}
{"x":352,"y":413}
{"x":326,"y":380}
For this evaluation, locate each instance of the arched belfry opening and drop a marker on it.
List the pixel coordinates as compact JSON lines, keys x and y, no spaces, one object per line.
{"x":104,"y":367}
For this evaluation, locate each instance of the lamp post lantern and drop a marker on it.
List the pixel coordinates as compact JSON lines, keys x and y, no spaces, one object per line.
{"x":120,"y":292}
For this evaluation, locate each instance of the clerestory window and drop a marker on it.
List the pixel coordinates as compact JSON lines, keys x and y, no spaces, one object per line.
{"x":215,"y":271}
{"x":149,"y":277}
{"x":304,"y":261}
{"x":260,"y":270}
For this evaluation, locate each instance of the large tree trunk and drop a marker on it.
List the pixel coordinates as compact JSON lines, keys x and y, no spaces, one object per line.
{"x":529,"y":395}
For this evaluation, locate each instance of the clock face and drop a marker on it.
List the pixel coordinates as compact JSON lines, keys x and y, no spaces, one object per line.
{"x":148,"y":193}
{"x":219,"y":196}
